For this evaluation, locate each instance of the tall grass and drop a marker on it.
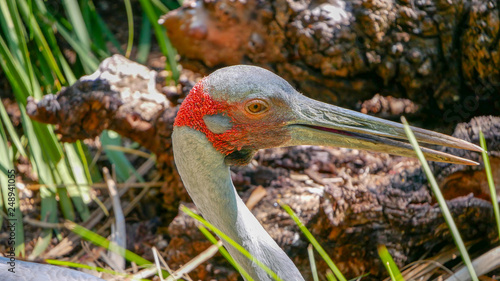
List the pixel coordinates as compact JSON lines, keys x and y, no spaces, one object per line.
{"x":491,"y":184}
{"x":441,"y":201}
{"x":33,"y":62}
{"x":232,"y":243}
{"x":315,"y":243}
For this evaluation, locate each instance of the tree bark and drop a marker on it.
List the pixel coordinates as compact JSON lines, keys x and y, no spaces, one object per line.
{"x":351,"y":200}
{"x":443,"y":55}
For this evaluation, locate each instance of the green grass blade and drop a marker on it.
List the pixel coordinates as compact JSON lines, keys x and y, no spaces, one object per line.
{"x":43,"y":46}
{"x":389,"y":263}
{"x":68,"y":180}
{"x":315,"y":243}
{"x":48,"y":141}
{"x":225,"y":253}
{"x":123,"y":167}
{"x":75,"y":17}
{"x":47,"y":30}
{"x":161,"y":36}
{"x":64,"y":201}
{"x":171,"y":54}
{"x":172,"y":5}
{"x":42,"y":131}
{"x":158,"y":4}
{"x":14,"y":73}
{"x":312,"y":262}
{"x":3,"y":182}
{"x":489,"y":177}
{"x":84,"y":266}
{"x":23,"y":84}
{"x":330,"y":276}
{"x":65,"y":178}
{"x":77,"y":162}
{"x":105,"y":30}
{"x":95,"y":29}
{"x":130,"y":21}
{"x":144,"y":41}
{"x":47,"y":193}
{"x":23,"y":57}
{"x":44,"y":172}
{"x":48,"y":160}
{"x":83,"y":153}
{"x":441,"y":201}
{"x":11,"y":131}
{"x":7,"y":24}
{"x":68,"y":71}
{"x":19,"y":72}
{"x":48,"y":208}
{"x":230,"y":241}
{"x":10,"y":195}
{"x":98,"y":240}
{"x":93,"y":268}
{"x":44,"y":75}
{"x":86,"y":16}
{"x":42,"y":243}
{"x":89,"y":61}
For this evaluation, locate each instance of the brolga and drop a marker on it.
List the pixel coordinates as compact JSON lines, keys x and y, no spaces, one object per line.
{"x":225,"y":119}
{"x":237,"y":110}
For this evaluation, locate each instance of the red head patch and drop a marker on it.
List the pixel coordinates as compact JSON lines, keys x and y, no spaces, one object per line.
{"x":197,"y":105}
{"x":245,"y":132}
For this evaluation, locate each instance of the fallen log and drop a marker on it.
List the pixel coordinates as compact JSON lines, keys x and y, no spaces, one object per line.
{"x":442,"y":55}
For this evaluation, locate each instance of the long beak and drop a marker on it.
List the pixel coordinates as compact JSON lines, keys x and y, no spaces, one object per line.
{"x":318,"y":123}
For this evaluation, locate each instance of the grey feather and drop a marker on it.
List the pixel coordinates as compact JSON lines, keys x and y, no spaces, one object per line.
{"x":30,"y":271}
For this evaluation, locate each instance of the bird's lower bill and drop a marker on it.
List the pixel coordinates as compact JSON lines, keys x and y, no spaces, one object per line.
{"x":318,"y":135}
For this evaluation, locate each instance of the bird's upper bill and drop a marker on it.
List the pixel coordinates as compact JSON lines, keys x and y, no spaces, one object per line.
{"x":246,"y":108}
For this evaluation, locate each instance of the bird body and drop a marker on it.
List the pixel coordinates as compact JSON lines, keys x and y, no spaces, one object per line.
{"x":204,"y":135}
{"x":30,"y":271}
{"x":237,"y":110}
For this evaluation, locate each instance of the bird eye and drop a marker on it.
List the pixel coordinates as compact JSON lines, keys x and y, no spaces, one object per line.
{"x":256,"y":106}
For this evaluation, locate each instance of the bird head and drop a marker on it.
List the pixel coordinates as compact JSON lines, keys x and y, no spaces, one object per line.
{"x":242,"y":109}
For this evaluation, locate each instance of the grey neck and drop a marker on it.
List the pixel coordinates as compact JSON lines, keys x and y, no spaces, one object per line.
{"x":208,"y":181}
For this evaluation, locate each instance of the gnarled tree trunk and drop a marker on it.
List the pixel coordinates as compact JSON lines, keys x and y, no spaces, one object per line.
{"x":443,"y":55}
